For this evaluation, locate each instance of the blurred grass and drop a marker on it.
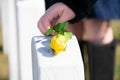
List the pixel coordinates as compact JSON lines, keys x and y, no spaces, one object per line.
{"x":117,"y":64}
{"x":116,"y":28}
{"x":3,"y":67}
{"x":116,"y":31}
{"x":3,"y":61}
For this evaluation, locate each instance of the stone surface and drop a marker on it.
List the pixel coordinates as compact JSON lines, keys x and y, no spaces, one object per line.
{"x":67,"y":65}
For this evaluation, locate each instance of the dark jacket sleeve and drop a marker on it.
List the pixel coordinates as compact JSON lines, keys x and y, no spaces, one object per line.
{"x":80,"y":7}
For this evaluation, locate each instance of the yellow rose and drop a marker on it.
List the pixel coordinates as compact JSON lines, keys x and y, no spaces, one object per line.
{"x":58,"y":43}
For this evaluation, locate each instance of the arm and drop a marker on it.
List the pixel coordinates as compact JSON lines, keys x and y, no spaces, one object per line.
{"x":61,"y":11}
{"x":81,"y":8}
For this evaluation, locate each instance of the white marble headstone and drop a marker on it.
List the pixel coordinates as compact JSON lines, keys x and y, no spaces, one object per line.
{"x":67,"y":65}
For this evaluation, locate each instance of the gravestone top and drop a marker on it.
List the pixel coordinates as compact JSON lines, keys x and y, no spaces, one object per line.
{"x":67,"y":65}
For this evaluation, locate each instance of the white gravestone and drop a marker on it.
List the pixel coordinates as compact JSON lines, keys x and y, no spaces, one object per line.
{"x":67,"y":65}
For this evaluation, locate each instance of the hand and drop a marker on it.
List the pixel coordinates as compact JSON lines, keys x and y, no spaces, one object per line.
{"x":57,"y":13}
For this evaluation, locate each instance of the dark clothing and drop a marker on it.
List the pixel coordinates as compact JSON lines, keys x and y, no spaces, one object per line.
{"x":80,"y":7}
{"x":101,"y":61}
{"x":106,"y":10}
{"x":97,"y":9}
{"x":100,"y":58}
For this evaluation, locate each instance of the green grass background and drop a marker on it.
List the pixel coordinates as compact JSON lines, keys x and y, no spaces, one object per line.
{"x":116,"y":32}
{"x":4,"y":72}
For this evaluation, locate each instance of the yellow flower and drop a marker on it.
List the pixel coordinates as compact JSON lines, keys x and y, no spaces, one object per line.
{"x":58,"y":43}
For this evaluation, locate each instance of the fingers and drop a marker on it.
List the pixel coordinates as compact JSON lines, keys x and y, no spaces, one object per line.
{"x":66,"y":15}
{"x":43,"y":25}
{"x":47,"y":20}
{"x":55,"y":14}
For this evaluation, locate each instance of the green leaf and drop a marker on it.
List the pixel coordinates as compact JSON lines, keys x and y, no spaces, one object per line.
{"x":68,"y":35}
{"x":60,"y":27}
{"x":49,"y":31}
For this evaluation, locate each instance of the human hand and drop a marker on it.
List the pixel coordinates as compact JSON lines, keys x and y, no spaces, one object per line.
{"x":57,"y":13}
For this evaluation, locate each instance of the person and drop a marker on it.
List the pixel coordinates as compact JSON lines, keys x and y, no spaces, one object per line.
{"x":100,"y":47}
{"x":101,"y":56}
{"x":58,"y":12}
